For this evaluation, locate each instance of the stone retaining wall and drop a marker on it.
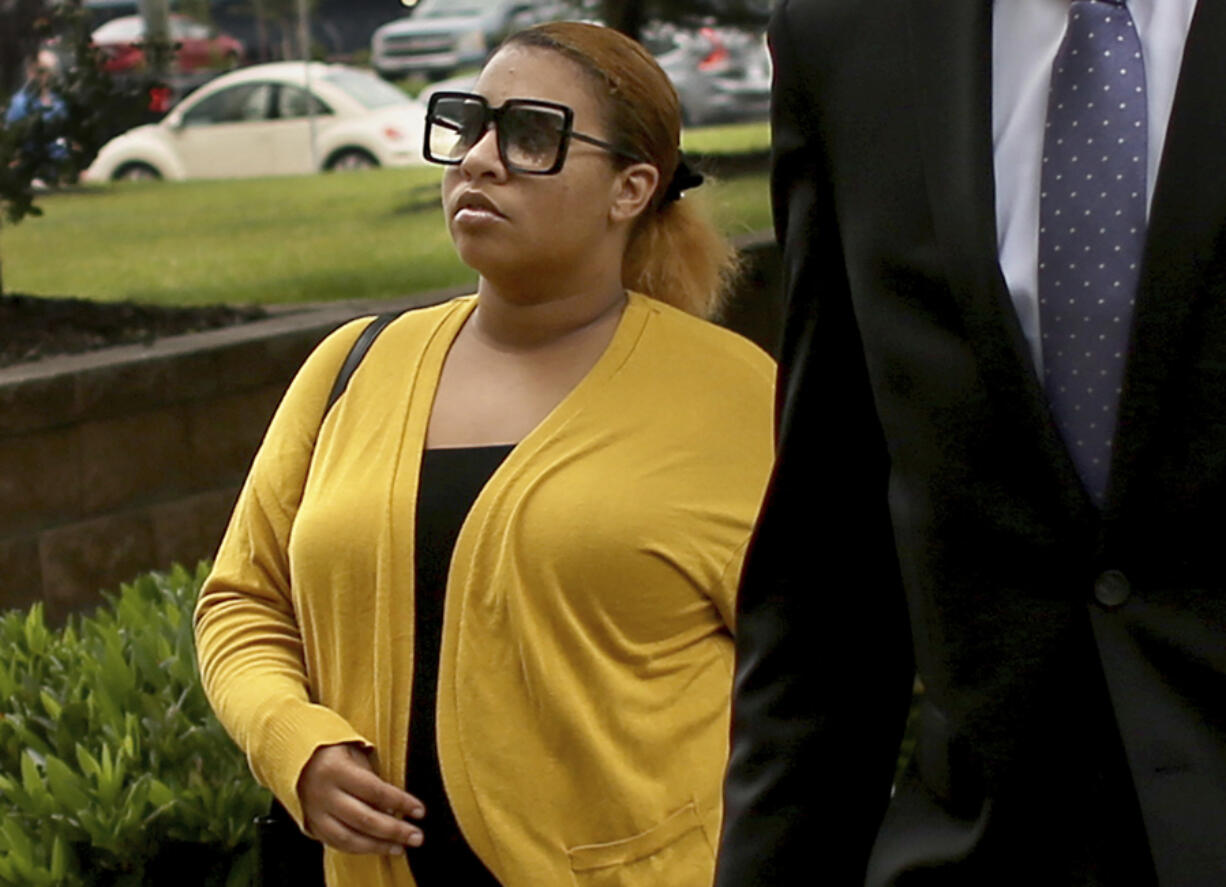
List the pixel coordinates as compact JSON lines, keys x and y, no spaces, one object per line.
{"x":129,"y":459}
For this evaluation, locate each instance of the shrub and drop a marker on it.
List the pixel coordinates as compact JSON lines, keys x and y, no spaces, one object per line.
{"x":113,"y":769}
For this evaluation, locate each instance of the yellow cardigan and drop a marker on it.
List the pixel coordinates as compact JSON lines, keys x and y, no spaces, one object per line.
{"x":586,"y":662}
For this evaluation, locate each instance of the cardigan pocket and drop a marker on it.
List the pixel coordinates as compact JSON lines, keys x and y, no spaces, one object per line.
{"x":674,"y":852}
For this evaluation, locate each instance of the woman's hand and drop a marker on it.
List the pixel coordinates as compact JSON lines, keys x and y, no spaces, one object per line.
{"x":347,"y":806}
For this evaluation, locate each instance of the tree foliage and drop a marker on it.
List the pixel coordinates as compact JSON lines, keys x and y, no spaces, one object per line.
{"x":97,"y":105}
{"x":18,"y":38}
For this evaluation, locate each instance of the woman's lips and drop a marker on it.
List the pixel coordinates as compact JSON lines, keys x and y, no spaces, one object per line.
{"x":477,"y":214}
{"x":473,"y":206}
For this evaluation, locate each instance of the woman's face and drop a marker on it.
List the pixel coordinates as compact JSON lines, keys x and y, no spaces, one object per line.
{"x":517,"y":227}
{"x":42,"y":68}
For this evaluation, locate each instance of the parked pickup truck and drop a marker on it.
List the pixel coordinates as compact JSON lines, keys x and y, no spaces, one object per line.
{"x":443,"y":36}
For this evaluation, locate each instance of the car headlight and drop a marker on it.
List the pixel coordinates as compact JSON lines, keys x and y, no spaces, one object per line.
{"x":471,"y":43}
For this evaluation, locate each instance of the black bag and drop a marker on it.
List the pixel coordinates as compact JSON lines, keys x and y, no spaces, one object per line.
{"x":284,"y":856}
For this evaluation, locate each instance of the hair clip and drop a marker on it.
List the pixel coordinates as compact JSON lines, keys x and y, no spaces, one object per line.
{"x":684,"y":178}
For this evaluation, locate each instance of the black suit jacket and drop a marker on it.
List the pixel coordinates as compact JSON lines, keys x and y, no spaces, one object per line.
{"x":925,"y":516}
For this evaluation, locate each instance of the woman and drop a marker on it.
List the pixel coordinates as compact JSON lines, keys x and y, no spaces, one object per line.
{"x":595,"y":455}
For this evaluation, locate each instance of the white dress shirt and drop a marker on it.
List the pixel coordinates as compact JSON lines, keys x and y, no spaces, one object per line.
{"x":1025,"y":37}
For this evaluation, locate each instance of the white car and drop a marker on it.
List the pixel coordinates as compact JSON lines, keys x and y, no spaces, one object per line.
{"x":284,"y":118}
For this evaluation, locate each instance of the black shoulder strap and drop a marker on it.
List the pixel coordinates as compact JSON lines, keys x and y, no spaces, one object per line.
{"x":360,"y":346}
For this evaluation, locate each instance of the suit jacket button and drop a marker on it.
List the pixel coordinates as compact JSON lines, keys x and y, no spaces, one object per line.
{"x":1111,"y":588}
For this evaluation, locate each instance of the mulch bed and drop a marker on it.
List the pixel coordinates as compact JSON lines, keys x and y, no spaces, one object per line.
{"x":34,"y":327}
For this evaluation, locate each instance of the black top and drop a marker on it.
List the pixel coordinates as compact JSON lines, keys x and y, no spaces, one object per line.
{"x":451,"y":480}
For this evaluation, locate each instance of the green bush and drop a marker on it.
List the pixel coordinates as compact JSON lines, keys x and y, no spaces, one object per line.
{"x":113,"y":769}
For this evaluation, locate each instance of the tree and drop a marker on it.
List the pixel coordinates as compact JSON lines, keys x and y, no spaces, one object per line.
{"x":156,"y":14}
{"x":19,"y":24}
{"x":278,"y":27}
{"x":627,"y":16}
{"x":16,"y":178}
{"x":28,"y":154}
{"x":55,"y":150}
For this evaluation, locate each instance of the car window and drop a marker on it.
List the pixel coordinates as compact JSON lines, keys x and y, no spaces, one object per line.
{"x":366,"y":89}
{"x":658,"y":43}
{"x":294,"y":101}
{"x":238,"y":104}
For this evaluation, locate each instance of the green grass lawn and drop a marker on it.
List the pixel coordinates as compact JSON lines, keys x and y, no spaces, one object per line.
{"x":310,"y":238}
{"x":735,"y":137}
{"x":301,"y":239}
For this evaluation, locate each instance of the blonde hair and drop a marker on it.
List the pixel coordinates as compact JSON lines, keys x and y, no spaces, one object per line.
{"x":675,"y":253}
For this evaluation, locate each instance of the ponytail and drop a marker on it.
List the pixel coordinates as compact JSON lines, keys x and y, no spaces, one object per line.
{"x":677,"y":255}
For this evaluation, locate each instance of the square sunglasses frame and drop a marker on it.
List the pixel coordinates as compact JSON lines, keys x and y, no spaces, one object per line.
{"x":494,"y":116}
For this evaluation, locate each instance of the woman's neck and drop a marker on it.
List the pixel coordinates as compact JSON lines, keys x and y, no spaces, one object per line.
{"x":515,"y":360}
{"x":522,"y":320}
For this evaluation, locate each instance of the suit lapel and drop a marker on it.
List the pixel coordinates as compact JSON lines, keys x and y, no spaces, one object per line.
{"x":951,"y":65}
{"x":1184,"y":232}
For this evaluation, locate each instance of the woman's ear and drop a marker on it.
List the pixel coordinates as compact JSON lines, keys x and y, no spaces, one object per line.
{"x":633,"y":188}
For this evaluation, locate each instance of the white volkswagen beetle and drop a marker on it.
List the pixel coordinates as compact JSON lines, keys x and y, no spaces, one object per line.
{"x":283,"y":118}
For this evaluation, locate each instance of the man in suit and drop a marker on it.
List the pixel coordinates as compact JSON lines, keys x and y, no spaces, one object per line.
{"x":1002,"y":452}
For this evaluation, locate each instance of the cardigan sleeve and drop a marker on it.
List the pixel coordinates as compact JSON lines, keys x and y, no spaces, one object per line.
{"x":248,"y":640}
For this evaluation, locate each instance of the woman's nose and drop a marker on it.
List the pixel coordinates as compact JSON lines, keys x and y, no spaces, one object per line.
{"x":483,"y":157}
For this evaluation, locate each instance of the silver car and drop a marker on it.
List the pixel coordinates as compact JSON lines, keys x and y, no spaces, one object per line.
{"x":443,"y":36}
{"x":722,"y":75}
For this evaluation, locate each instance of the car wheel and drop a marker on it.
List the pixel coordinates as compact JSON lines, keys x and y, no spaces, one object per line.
{"x":351,"y":159}
{"x":136,"y":172}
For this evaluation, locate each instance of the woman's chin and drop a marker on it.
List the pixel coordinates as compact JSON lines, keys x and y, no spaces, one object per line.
{"x":477,"y":258}
{"x":498,"y":263}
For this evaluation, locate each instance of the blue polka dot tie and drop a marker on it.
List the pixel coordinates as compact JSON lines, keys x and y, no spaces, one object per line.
{"x":1091,"y":227}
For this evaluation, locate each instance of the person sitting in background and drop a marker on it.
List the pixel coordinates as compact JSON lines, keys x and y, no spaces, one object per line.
{"x":38,"y":101}
{"x":481,"y":608}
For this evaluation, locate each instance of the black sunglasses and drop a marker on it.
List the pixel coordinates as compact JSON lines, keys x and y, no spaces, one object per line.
{"x":533,"y":135}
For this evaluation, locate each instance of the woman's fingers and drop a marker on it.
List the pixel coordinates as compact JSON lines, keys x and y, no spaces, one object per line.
{"x":347,"y":806}
{"x":340,"y":836}
{"x":358,"y":778}
{"x":357,"y":814}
